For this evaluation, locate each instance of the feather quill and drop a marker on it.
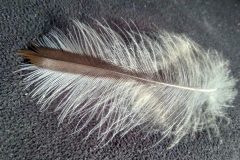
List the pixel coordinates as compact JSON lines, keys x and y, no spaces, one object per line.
{"x":167,"y":83}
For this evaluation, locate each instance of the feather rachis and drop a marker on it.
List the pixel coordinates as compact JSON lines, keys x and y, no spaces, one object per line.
{"x":72,"y":63}
{"x":169,"y":82}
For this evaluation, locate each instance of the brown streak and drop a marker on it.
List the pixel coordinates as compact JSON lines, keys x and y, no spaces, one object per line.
{"x":64,"y":61}
{"x":69,"y":57}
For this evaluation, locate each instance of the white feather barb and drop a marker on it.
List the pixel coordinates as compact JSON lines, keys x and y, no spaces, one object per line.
{"x":167,"y":83}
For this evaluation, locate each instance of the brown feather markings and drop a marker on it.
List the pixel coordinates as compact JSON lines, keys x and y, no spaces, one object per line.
{"x":63,"y":61}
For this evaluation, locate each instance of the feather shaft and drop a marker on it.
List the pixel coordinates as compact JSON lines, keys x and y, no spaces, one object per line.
{"x":77,"y":64}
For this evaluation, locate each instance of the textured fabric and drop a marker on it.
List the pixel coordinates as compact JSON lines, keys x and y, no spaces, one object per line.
{"x":26,"y":133}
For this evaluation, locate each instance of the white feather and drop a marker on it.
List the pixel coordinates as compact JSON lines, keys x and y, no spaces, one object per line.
{"x":191,"y":93}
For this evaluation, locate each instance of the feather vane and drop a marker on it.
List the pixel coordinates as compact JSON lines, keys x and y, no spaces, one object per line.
{"x":167,"y":83}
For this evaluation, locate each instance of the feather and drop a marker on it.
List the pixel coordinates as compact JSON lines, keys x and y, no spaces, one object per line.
{"x":165,"y":83}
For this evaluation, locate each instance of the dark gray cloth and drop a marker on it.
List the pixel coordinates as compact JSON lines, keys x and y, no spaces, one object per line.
{"x":26,"y":133}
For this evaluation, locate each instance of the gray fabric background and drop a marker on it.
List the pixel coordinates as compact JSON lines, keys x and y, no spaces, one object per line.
{"x":26,"y":133}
